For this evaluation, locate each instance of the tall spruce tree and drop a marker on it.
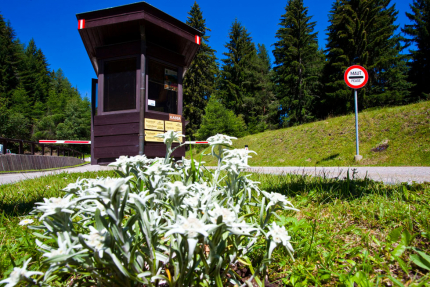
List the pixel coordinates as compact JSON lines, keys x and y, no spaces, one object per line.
{"x":261,"y":105}
{"x":11,"y":56}
{"x":234,"y":83}
{"x":199,"y":81}
{"x":361,"y":32}
{"x":298,"y":64}
{"x":419,"y":32}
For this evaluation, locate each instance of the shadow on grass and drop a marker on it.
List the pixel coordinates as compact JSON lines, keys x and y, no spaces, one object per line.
{"x":321,"y":189}
{"x":333,"y":156}
{"x":23,"y":203}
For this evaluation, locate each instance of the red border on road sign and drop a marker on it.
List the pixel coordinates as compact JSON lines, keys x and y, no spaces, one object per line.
{"x":356,"y":67}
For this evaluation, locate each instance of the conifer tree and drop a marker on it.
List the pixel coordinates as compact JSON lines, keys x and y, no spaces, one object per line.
{"x":361,"y":32}
{"x":298,"y":64}
{"x":419,"y":32}
{"x":10,"y":60}
{"x":199,"y":81}
{"x":261,"y":105}
{"x":219,"y":119}
{"x":234,"y":82}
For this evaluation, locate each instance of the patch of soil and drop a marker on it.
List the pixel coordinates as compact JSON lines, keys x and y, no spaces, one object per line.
{"x":380,"y":148}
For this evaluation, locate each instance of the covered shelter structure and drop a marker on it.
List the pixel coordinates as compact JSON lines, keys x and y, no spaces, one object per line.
{"x":140,"y":56}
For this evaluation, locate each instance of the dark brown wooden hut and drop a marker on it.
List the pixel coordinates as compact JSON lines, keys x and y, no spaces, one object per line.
{"x":140,"y":55}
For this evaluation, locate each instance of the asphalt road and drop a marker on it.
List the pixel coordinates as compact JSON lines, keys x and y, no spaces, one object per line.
{"x":389,"y":175}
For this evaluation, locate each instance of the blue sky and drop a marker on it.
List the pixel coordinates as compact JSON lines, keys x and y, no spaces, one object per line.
{"x":53,"y":25}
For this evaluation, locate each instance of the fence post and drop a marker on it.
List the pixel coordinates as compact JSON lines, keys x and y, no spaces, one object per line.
{"x":4,"y":147}
{"x":21,"y":148}
{"x":32,"y":148}
{"x":50,"y":147}
{"x":43,"y":149}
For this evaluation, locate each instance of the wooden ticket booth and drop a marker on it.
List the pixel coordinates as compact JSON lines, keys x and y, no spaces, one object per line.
{"x":140,"y":55}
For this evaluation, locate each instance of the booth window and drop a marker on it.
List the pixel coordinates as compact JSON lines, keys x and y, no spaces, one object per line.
{"x":162,"y":88}
{"x":119,"y":85}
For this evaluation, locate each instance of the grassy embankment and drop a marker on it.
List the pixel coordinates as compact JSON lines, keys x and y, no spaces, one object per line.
{"x":405,"y":129}
{"x":346,"y":231}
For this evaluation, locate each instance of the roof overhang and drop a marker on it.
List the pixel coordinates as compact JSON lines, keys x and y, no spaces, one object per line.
{"x":123,"y":24}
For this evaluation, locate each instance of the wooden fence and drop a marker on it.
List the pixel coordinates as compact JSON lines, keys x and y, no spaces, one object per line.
{"x":24,"y":162}
{"x":61,"y":150}
{"x":30,"y":161}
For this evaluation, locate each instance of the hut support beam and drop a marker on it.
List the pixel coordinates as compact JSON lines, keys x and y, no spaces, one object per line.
{"x":142,"y":89}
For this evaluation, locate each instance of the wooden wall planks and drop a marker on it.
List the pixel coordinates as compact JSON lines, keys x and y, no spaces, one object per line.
{"x":35,"y":162}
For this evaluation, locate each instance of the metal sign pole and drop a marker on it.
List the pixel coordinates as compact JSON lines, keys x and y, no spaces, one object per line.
{"x":356,"y":122}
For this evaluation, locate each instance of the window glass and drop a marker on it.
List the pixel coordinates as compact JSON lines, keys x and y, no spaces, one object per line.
{"x":162,"y":88}
{"x":119,"y":85}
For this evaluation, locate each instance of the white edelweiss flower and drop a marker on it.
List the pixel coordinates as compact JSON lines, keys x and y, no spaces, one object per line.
{"x":55,"y":205}
{"x":26,"y":222}
{"x":277,"y":198}
{"x":279,"y":236}
{"x":65,"y":246}
{"x":20,"y":274}
{"x":241,"y":154}
{"x":170,"y":136}
{"x":96,"y":239}
{"x":220,"y":139}
{"x":122,"y":162}
{"x":158,"y":169}
{"x":229,"y":217}
{"x":176,"y":189}
{"x":234,"y":164}
{"x":191,"y":226}
{"x":192,"y":201}
{"x":242,"y":228}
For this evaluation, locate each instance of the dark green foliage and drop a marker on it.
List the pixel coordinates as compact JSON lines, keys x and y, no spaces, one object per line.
{"x":419,"y":32}
{"x":298,"y":64}
{"x":361,"y":32}
{"x":35,"y":102}
{"x":219,"y":119}
{"x":10,"y":58}
{"x":199,"y":81}
{"x":235,"y":83}
{"x":245,"y":85}
{"x":261,"y":104}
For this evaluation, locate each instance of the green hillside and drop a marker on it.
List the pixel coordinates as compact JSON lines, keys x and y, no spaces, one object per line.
{"x":399,"y":136}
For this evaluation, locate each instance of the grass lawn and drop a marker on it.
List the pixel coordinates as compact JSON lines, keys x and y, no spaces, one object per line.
{"x":346,"y":231}
{"x":399,"y":136}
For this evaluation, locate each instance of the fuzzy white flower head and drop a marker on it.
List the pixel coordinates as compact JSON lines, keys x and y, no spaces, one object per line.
{"x":280,"y":235}
{"x":176,"y":189}
{"x":277,"y":198}
{"x":220,"y":139}
{"x":20,"y":274}
{"x":26,"y":222}
{"x":96,"y":239}
{"x":170,"y":136}
{"x":55,"y":205}
{"x":228,"y":216}
{"x":158,"y":169}
{"x":234,"y":165}
{"x":241,"y":154}
{"x":122,"y":162}
{"x":192,"y":201}
{"x":191,"y":226}
{"x":65,"y":246}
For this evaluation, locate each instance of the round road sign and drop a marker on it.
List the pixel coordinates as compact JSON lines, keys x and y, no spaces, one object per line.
{"x":356,"y":77}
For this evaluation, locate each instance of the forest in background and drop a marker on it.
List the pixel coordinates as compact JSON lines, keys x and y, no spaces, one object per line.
{"x":244,"y":93}
{"x":35,"y":101}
